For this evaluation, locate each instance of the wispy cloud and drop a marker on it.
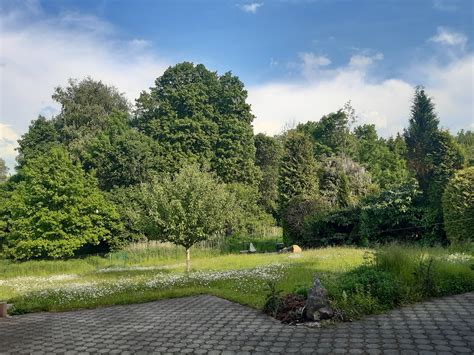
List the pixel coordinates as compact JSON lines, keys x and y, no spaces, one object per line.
{"x":251,"y":7}
{"x":449,"y":37}
{"x":65,"y":46}
{"x":383,"y":102}
{"x":445,"y":5}
{"x":311,"y":63}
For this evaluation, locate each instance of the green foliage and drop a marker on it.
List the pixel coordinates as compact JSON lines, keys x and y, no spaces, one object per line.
{"x":54,"y":209}
{"x":298,"y":169}
{"x":121,"y":156}
{"x":383,"y":159}
{"x":374,"y":282}
{"x":466,"y":140}
{"x":458,"y":207}
{"x":294,"y":218}
{"x":334,"y":227}
{"x":342,"y":181}
{"x":267,"y":158}
{"x":199,"y":117}
{"x":247,"y":218}
{"x":186,"y":209}
{"x":274,"y":300}
{"x":85,"y":108}
{"x":41,"y":137}
{"x":392,"y":215}
{"x":3,"y":171}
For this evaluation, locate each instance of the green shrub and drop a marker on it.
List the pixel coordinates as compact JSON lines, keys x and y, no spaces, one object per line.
{"x":374,"y":282}
{"x":458,"y":207}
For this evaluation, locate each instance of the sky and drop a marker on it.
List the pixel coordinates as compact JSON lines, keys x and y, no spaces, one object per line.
{"x":298,"y":59}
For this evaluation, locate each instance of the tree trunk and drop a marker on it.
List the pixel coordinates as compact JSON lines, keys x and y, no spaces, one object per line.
{"x":188,"y":260}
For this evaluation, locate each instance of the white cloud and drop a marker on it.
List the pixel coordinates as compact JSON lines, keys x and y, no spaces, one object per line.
{"x":310,"y":64}
{"x":251,"y":8}
{"x":38,"y":53}
{"x":8,"y":143}
{"x":449,"y":37}
{"x":383,"y":102}
{"x":363,"y":61}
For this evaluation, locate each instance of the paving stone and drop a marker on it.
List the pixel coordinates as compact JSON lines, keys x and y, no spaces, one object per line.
{"x":207,"y":324}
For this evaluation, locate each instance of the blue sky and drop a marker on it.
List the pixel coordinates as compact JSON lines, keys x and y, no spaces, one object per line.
{"x":299,"y":59}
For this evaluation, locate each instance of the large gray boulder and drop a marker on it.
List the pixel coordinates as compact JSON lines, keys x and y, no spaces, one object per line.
{"x":317,"y":305}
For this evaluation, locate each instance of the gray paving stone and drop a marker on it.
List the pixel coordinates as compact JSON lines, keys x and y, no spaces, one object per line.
{"x":207,"y":324}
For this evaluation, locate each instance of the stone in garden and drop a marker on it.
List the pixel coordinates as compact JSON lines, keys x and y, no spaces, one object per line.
{"x":317,"y":304}
{"x":295,"y":249}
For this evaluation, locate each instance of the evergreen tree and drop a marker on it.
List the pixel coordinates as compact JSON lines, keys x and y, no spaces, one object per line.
{"x":267,"y":158}
{"x":54,"y":209}
{"x":420,"y":137}
{"x":298,"y":169}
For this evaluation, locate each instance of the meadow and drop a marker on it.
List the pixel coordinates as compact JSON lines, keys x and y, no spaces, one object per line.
{"x":359,"y":281}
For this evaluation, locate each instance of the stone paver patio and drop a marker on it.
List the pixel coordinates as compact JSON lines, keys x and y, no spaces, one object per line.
{"x":205,"y":324}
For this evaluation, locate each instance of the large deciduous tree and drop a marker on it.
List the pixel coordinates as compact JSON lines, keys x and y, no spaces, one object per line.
{"x":3,"y":171}
{"x":54,"y":208}
{"x":197,"y":116}
{"x":185,"y":209}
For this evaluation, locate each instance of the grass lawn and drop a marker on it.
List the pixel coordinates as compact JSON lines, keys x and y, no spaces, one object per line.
{"x":356,"y":283}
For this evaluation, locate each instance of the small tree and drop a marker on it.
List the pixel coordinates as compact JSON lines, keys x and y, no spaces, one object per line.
{"x":186,"y":209}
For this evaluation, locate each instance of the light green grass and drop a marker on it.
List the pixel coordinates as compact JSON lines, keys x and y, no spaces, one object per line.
{"x":140,"y":274}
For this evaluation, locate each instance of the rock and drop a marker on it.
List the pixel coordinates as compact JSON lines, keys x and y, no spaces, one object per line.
{"x":293,"y":249}
{"x":317,"y":304}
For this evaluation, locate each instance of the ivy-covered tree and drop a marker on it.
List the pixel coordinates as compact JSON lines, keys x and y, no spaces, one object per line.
{"x":342,"y":181}
{"x":298,"y":169}
{"x":197,"y":116}
{"x":267,"y":158}
{"x":185,"y":209}
{"x":54,"y":209}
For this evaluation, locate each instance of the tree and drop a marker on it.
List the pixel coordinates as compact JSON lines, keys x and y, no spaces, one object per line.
{"x":298,"y":169}
{"x":384,"y":159}
{"x":121,"y":156}
{"x":420,"y":137}
{"x":39,"y":139}
{"x":3,"y":171}
{"x":185,"y":209}
{"x":433,"y":156}
{"x":197,"y":116}
{"x":54,"y":209}
{"x":85,"y":107}
{"x":267,"y":158}
{"x":466,"y":140}
{"x":342,"y":181}
{"x":458,"y":206}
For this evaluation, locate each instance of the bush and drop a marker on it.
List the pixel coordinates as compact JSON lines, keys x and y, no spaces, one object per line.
{"x":458,"y":207}
{"x":331,"y":228}
{"x":391,"y":215}
{"x":294,"y":217}
{"x":374,"y":282}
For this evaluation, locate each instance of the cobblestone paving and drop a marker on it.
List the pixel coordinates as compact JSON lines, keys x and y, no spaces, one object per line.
{"x":206,"y":324}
